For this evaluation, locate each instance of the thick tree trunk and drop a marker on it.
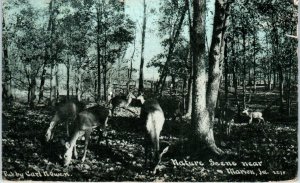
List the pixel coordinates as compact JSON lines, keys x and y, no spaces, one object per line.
{"x":201,"y":124}
{"x":6,"y":74}
{"x":216,"y":56}
{"x":141,"y":78}
{"x":190,"y":68}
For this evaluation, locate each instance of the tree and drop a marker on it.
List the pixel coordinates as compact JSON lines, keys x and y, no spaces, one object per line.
{"x":141,"y":77}
{"x":171,"y":26}
{"x":216,"y":53}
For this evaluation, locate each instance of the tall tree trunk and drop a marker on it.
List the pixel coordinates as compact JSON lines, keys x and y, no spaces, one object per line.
{"x":163,"y":75}
{"x":190,"y":67}
{"x":202,"y":126}
{"x":190,"y":96}
{"x":183,"y":99}
{"x":57,"y":82}
{"x":98,"y":55}
{"x":104,"y":81}
{"x":50,"y":81}
{"x":6,"y":74}
{"x":244,"y":69}
{"x":32,"y":87}
{"x":280,"y":70}
{"x":68,"y":78}
{"x":130,"y":66}
{"x":141,"y":78}
{"x":226,"y":72}
{"x":216,"y":55}
{"x":254,"y":62}
{"x":47,"y":53}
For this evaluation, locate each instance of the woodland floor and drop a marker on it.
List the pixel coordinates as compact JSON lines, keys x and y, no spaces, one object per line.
{"x":27,"y":157}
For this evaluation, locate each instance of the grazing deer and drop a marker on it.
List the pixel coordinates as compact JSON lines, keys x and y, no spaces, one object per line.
{"x":152,"y":118}
{"x":253,"y":115}
{"x":84,"y":124}
{"x":121,"y":101}
{"x":66,"y":112}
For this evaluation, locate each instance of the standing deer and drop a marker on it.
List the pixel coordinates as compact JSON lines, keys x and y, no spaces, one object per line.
{"x":253,"y":115}
{"x":84,"y":124}
{"x":66,"y":112}
{"x":121,"y":101}
{"x":152,"y":118}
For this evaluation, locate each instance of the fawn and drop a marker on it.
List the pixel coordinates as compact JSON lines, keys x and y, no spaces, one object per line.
{"x":84,"y":124}
{"x":66,"y":112}
{"x":253,"y":115}
{"x":121,"y":101}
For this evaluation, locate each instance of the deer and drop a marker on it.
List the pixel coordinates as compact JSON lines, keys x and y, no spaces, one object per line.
{"x":152,"y":118}
{"x":66,"y":111}
{"x":121,"y":101}
{"x":85,"y":122}
{"x":253,"y":115}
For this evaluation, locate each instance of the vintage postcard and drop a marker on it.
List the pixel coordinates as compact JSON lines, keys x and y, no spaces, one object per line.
{"x":149,"y":90}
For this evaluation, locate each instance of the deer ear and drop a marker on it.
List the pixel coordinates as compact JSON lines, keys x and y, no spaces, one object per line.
{"x":67,"y":144}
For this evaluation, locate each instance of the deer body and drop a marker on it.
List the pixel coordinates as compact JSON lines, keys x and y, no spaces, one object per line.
{"x":254,"y":115}
{"x":152,"y":118}
{"x":84,"y":124}
{"x":121,"y":101}
{"x":65,"y":112}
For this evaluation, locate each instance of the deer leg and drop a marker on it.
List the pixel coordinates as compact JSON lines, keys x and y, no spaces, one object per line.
{"x":67,"y":127}
{"x":105,"y":131}
{"x":250,"y":121}
{"x":146,"y":147}
{"x":156,"y":151}
{"x":112,"y":111}
{"x":75,"y":152}
{"x":87,"y":137}
{"x":263,"y":120}
{"x":49,"y":134}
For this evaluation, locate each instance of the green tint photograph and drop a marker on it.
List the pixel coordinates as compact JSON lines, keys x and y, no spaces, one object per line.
{"x":149,"y":90}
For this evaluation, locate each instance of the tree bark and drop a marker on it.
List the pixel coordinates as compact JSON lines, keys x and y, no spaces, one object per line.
{"x":254,"y":62}
{"x":215,"y":55}
{"x":31,"y":89}
{"x":190,"y":68}
{"x":226,"y":72}
{"x":6,"y":74}
{"x":141,"y":78}
{"x":244,"y":68}
{"x":57,"y":82}
{"x":47,"y":53}
{"x":68,"y":79}
{"x":98,"y":57}
{"x":163,"y":75}
{"x":201,"y":125}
